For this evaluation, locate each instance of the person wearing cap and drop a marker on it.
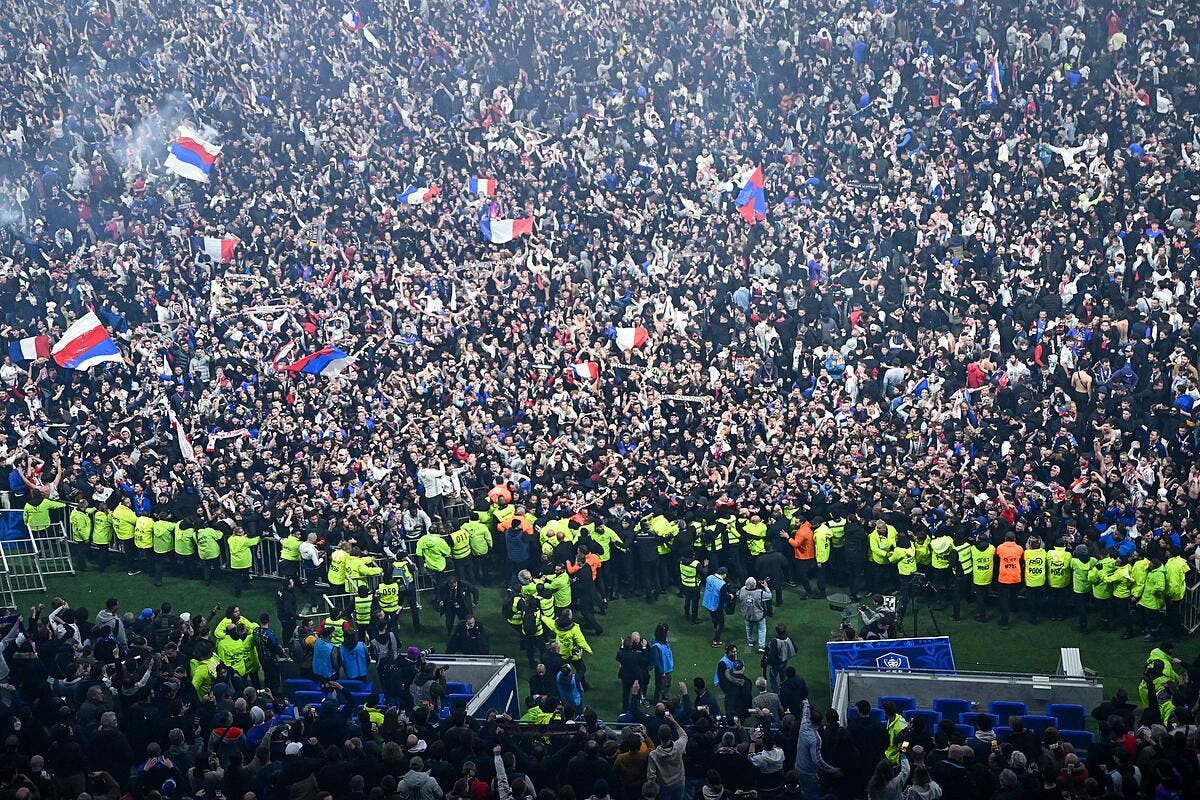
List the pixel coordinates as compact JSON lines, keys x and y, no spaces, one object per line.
{"x":418,"y":784}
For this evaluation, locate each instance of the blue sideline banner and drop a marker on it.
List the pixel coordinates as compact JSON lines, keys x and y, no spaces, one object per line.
{"x":891,"y":655}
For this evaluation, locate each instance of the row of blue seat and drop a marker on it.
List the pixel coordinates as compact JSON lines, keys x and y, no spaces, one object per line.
{"x":1069,"y":719}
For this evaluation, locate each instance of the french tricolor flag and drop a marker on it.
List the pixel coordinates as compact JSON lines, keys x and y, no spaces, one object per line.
{"x":499,"y":231}
{"x":86,"y":344}
{"x":630,"y":338}
{"x":483,"y":186}
{"x":584,"y":371}
{"x":328,"y":362}
{"x":416,"y":195}
{"x":192,"y":158}
{"x":352,"y":21}
{"x":220,"y":250}
{"x":29,"y":349}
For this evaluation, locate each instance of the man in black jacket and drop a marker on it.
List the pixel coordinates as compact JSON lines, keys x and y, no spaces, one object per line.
{"x":456,"y":600}
{"x":870,"y":740}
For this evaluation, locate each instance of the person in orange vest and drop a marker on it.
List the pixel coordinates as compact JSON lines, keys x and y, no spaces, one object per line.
{"x":500,"y":492}
{"x":1008,"y":574}
{"x":804,"y":555}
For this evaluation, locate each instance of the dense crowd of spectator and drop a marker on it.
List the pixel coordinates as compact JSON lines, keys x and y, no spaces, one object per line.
{"x":968,"y":320}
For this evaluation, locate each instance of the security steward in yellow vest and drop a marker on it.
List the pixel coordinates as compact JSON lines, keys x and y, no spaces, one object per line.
{"x":880,"y":541}
{"x":823,"y":548}
{"x":524,"y":613}
{"x":689,"y":580}
{"x":904,"y":556}
{"x":460,"y":553}
{"x":404,"y":576}
{"x":1035,"y":578}
{"x":962,"y":565}
{"x":1058,"y":578}
{"x":289,"y":555}
{"x":941,"y":551}
{"x":729,"y":543}
{"x":364,"y":608}
{"x":983,"y":567}
{"x":81,"y":520}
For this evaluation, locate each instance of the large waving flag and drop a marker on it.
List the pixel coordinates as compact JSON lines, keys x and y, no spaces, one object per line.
{"x":86,"y":344}
{"x":217,"y":249}
{"x":629,"y":338}
{"x":995,"y":80}
{"x":752,"y":200}
{"x":416,"y":195}
{"x":328,"y":362}
{"x":185,"y":444}
{"x":499,"y":231}
{"x":352,"y":21}
{"x":30,"y":348}
{"x":483,"y":186}
{"x":584,"y":371}
{"x":192,"y":158}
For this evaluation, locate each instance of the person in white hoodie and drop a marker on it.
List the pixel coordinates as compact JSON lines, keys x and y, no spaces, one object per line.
{"x":923,"y":787}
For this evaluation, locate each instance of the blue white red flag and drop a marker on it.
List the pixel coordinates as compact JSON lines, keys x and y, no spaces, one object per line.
{"x":220,"y":250}
{"x":416,"y":195}
{"x":328,"y":362}
{"x":483,"y":186}
{"x":752,"y":200}
{"x":192,"y":158}
{"x":499,"y":231}
{"x":30,"y":348}
{"x":86,"y":344}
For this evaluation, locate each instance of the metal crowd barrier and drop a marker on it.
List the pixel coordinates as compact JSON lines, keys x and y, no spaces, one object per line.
{"x":1189,"y":608}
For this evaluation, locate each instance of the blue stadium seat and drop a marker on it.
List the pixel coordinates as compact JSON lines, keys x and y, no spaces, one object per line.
{"x":878,"y":715}
{"x":1005,"y":709}
{"x":965,"y":731}
{"x":972,"y":718}
{"x":454,"y":698}
{"x":1068,"y":715}
{"x":303,"y":698}
{"x":356,"y":687}
{"x":1037,"y":723}
{"x":301,"y":685}
{"x":932,"y":718}
{"x":1080,"y":740}
{"x":902,"y":703}
{"x":951,"y":707}
{"x":456,"y":687}
{"x":1002,"y":732}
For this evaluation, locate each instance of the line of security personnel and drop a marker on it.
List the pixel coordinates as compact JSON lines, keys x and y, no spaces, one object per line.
{"x":189,"y":548}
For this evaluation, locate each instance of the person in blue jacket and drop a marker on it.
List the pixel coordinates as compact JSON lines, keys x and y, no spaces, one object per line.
{"x":714,"y":601}
{"x":663,"y":660}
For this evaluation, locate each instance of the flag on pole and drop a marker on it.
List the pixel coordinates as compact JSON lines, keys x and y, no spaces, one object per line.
{"x":629,"y":338}
{"x":86,"y":344}
{"x":994,"y":80}
{"x":217,"y":249}
{"x":30,"y":348}
{"x":499,"y":231}
{"x":752,"y":200}
{"x":483,"y":186}
{"x":192,"y":158}
{"x":185,"y":444}
{"x":328,"y":362}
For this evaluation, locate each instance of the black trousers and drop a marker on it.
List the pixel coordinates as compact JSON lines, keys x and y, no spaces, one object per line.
{"x":1008,"y":592}
{"x":131,"y":555}
{"x":691,"y":602}
{"x":79,"y":555}
{"x":1082,"y":601}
